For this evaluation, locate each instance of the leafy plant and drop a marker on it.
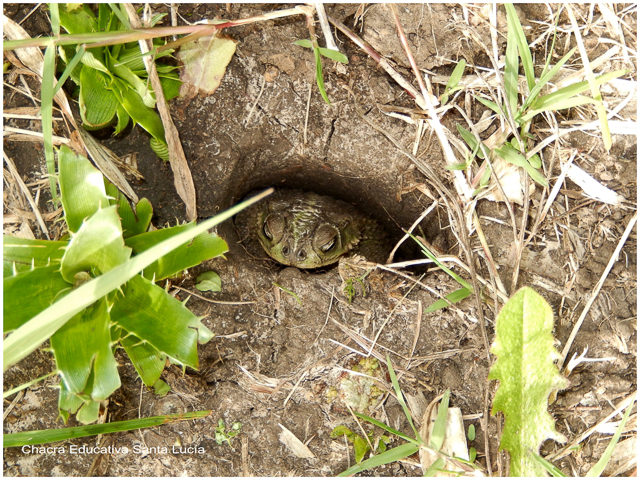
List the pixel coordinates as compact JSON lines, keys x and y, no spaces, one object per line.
{"x":143,"y":318}
{"x":113,"y":83}
{"x":350,"y":291}
{"x":512,"y":146}
{"x":453,"y":85}
{"x":222,"y":435}
{"x":527,"y":373}
{"x":326,"y":52}
{"x":209,"y":282}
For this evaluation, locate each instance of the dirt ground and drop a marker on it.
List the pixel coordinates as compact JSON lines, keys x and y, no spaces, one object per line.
{"x":277,"y":360}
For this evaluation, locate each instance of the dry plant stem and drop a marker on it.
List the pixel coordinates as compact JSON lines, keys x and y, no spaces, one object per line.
{"x":406,"y":235}
{"x":523,"y":229}
{"x":492,"y":265}
{"x":570,"y":447}
{"x":221,"y":302}
{"x":26,"y":193}
{"x":183,"y":180}
{"x":597,"y":288}
{"x":407,"y":49}
{"x":381,"y":61}
{"x":324,"y":24}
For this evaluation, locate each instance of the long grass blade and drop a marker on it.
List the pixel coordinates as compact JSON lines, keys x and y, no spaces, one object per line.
{"x":393,"y":455}
{"x":393,"y":431}
{"x":46,"y":97}
{"x":513,"y":23}
{"x":400,"y":397}
{"x":37,"y":437}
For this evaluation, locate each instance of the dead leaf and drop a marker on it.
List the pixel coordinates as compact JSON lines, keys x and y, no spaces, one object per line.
{"x":290,"y":441}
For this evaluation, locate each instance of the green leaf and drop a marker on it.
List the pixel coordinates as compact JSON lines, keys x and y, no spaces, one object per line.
{"x":491,"y":105}
{"x":513,"y":23}
{"x":454,"y":297}
{"x":161,"y":388}
{"x":97,"y":247}
{"x":37,"y":437}
{"x":78,"y":20}
{"x":341,"y":430}
{"x":30,"y":292}
{"x":82,"y":347}
{"x":89,"y":412}
{"x":319,"y":77}
{"x":400,"y":397}
{"x":209,"y":282}
{"x":435,"y":467}
{"x":386,"y":427}
{"x":511,"y":70}
{"x":527,"y":373}
{"x":146,"y":117}
{"x":306,"y":43}
{"x":511,"y":155}
{"x":160,"y":148}
{"x":203,"y":247}
{"x":546,"y":78}
{"x":548,"y":101}
{"x":98,"y":103}
{"x":535,"y":161}
{"x":49,"y":68}
{"x":164,"y":322}
{"x":333,"y":55}
{"x":478,"y":148}
{"x":440,"y":426}
{"x":360,"y":448}
{"x":147,"y":360}
{"x":27,"y":253}
{"x":132,"y":223}
{"x":471,"y":435}
{"x":456,"y":75}
{"x":548,"y":466}
{"x":390,"y":456}
{"x":37,"y":330}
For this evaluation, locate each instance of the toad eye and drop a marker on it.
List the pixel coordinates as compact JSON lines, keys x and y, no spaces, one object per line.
{"x":326,"y":238}
{"x":273,"y":227}
{"x":302,"y":255}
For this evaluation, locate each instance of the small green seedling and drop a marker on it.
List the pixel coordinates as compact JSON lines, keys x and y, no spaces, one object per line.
{"x":326,"y":52}
{"x":222,"y":435}
{"x":349,"y":289}
{"x":360,"y":445}
{"x":286,"y":290}
{"x":453,"y":85}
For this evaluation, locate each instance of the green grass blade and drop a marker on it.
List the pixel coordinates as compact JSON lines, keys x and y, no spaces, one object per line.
{"x":454,"y":297}
{"x":38,"y":437}
{"x":8,"y":393}
{"x":440,"y":426}
{"x":599,"y":467}
{"x":390,"y":456}
{"x":70,"y":66}
{"x":306,"y":43}
{"x":546,"y":78}
{"x":48,"y":72}
{"x":37,"y":330}
{"x":117,"y":9}
{"x":489,"y":104}
{"x":319,"y":78}
{"x":456,"y":75}
{"x":435,"y":467}
{"x":55,"y":18}
{"x":386,"y":427}
{"x":548,"y":466}
{"x":513,"y":23}
{"x":511,"y":155}
{"x":511,"y":70}
{"x":400,"y":397}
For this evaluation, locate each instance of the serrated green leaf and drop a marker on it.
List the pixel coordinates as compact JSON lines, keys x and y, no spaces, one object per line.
{"x":77,"y":360}
{"x":390,"y":456}
{"x":147,"y":360}
{"x":28,"y":252}
{"x":96,"y":247}
{"x":132,"y":223}
{"x":333,"y":55}
{"x":527,"y":373}
{"x":201,"y":248}
{"x":305,"y":42}
{"x":209,"y":282}
{"x":165,"y":323}
{"x":30,"y":292}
